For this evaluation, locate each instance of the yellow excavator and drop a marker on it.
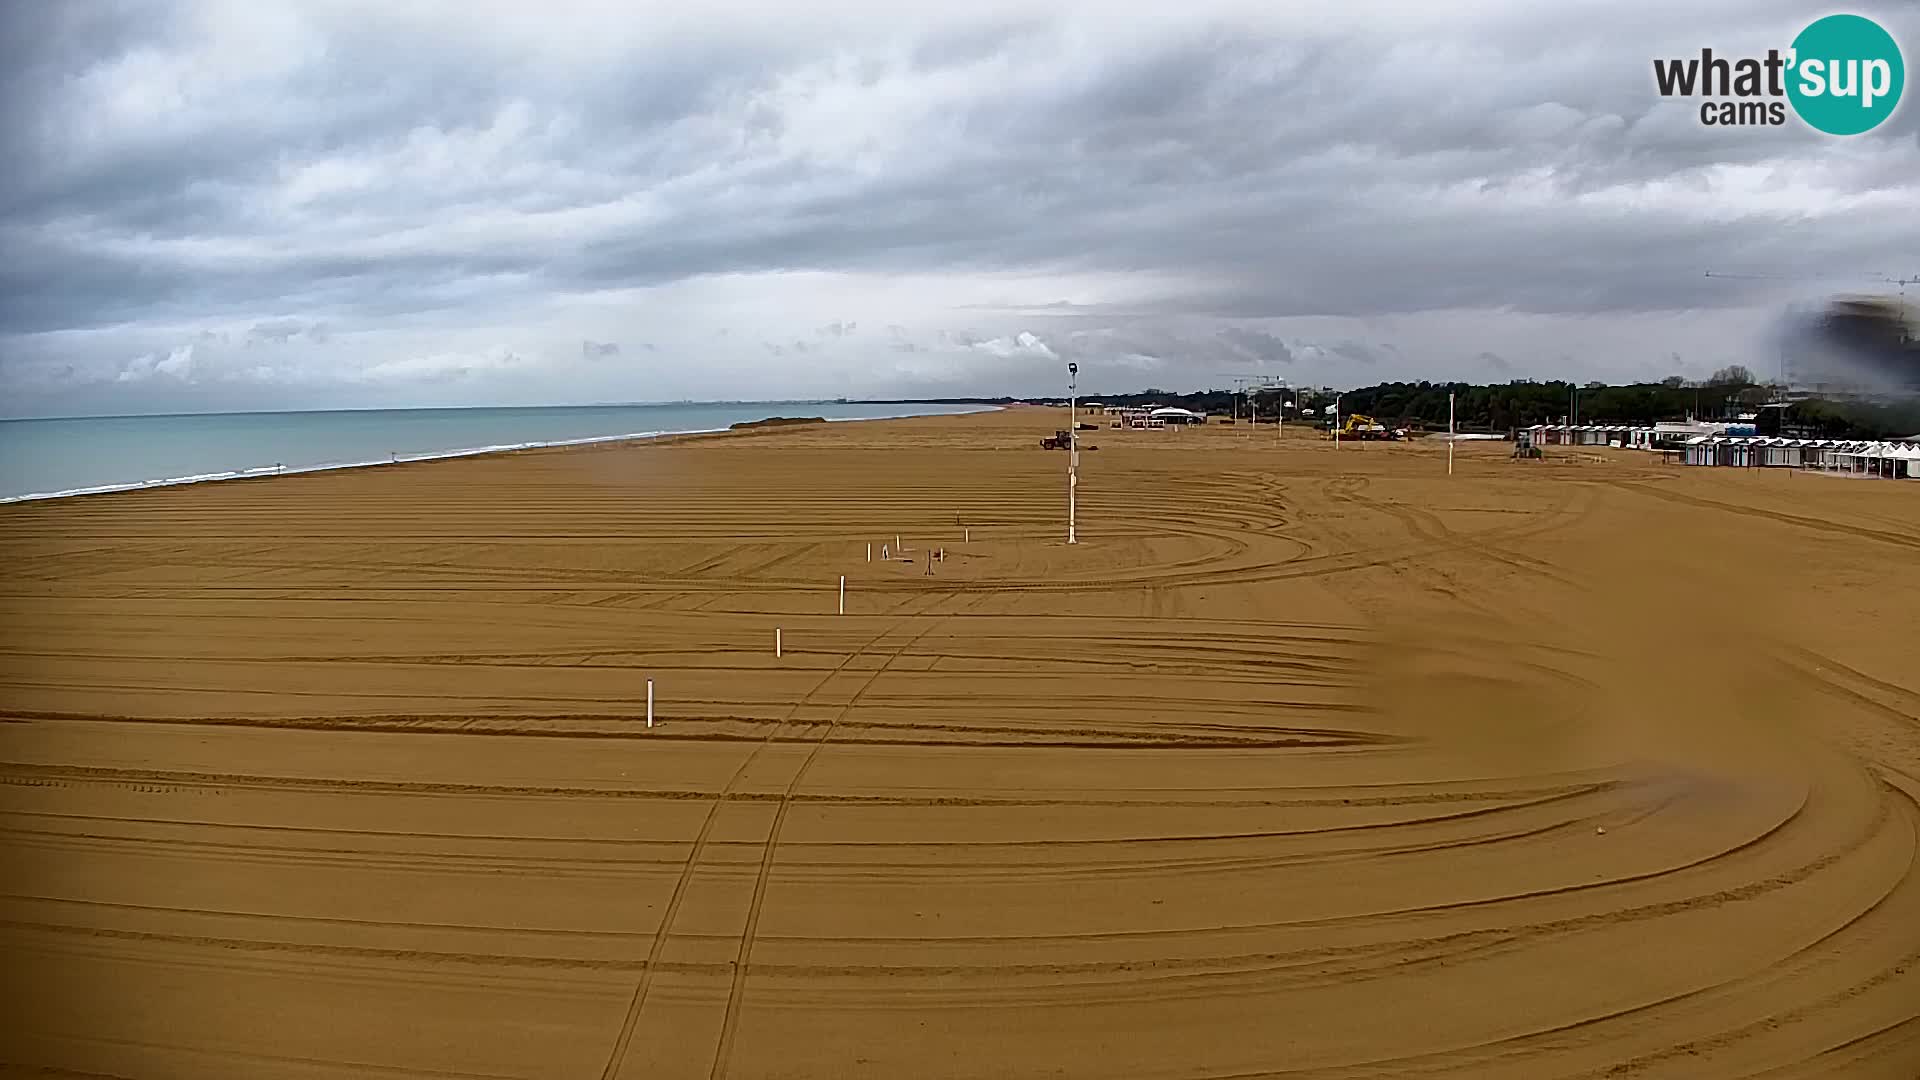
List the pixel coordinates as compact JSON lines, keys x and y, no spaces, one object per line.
{"x":1362,"y":426}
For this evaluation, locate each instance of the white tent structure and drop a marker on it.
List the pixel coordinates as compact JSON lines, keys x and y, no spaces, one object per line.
{"x":1885,"y":459}
{"x":1171,"y":415}
{"x":1902,"y":461}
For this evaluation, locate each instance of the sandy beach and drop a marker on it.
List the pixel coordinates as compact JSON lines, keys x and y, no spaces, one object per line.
{"x":1304,"y":762}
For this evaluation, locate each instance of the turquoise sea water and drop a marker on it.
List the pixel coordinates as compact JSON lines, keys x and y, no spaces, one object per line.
{"x":56,"y":458}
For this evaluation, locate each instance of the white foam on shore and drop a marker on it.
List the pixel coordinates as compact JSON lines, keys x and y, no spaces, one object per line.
{"x":401,"y":459}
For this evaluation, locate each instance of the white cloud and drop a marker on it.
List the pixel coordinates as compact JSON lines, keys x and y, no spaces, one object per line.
{"x":437,"y":367}
{"x":177,"y":364}
{"x":1023,"y":345}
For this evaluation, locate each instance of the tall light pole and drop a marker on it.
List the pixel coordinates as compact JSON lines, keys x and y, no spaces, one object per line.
{"x":1073,"y":445}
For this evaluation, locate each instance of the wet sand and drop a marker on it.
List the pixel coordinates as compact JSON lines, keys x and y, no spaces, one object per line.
{"x":1304,"y":762}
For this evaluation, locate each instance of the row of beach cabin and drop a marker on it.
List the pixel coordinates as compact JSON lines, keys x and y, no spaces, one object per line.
{"x":1738,"y":445}
{"x":1893,"y":460}
{"x":1667,"y":433}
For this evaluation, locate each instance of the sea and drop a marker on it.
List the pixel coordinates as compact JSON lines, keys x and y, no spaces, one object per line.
{"x":59,"y":458}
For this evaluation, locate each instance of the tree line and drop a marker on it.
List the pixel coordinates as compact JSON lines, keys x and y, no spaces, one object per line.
{"x":1502,"y":407}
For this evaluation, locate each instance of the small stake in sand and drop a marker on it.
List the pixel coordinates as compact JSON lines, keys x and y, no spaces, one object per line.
{"x":649,"y":702}
{"x":869,"y":552}
{"x":776,"y":643}
{"x":843,"y":594}
{"x":968,"y":539}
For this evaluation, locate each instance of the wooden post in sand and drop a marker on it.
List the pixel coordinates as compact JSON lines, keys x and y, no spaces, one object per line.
{"x":843,"y":594}
{"x":869,"y":551}
{"x":969,"y":536}
{"x":649,"y":702}
{"x":776,"y":643}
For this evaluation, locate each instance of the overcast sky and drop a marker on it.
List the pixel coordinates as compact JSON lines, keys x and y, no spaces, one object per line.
{"x":251,"y":205}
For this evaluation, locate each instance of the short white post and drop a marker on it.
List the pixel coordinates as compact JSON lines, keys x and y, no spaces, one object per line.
{"x":843,"y":594}
{"x":649,"y":702}
{"x":869,"y":551}
{"x":776,"y":643}
{"x":969,"y":536}
{"x":1450,"y":434}
{"x":896,"y":542}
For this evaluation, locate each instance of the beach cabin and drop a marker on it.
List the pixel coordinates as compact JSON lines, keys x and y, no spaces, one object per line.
{"x":1818,"y":453}
{"x":1782,"y":452}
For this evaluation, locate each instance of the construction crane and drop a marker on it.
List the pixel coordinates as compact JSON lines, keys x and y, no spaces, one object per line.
{"x":1252,"y":385}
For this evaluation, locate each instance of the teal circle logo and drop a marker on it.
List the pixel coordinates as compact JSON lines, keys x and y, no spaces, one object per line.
{"x":1846,"y":75}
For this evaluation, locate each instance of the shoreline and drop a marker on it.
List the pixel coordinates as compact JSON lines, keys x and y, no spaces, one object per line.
{"x":268,"y":471}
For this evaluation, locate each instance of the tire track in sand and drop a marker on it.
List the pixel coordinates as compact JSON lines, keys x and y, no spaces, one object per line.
{"x":736,"y":992}
{"x":631,"y":1020}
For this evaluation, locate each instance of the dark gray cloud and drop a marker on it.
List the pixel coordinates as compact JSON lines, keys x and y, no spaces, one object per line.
{"x":1211,"y":185}
{"x":1256,"y":345}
